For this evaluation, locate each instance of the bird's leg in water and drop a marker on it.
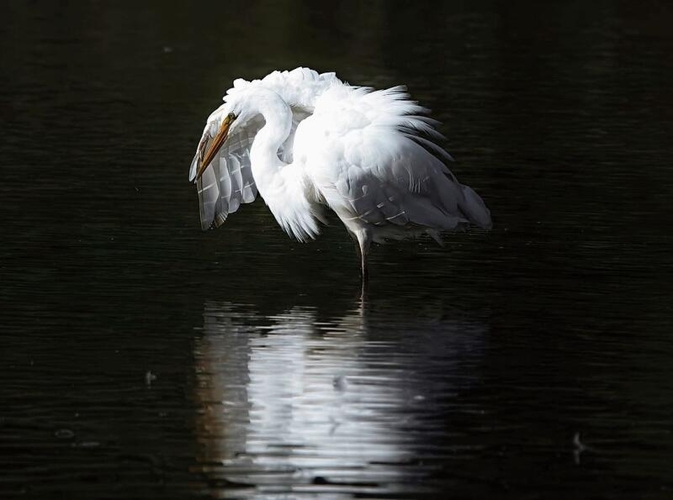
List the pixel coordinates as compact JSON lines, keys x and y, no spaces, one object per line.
{"x":363,"y":292}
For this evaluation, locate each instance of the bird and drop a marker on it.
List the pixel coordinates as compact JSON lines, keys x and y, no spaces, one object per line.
{"x":307,"y":142}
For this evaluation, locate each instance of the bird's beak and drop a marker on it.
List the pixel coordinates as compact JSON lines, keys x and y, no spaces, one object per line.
{"x":217,"y":143}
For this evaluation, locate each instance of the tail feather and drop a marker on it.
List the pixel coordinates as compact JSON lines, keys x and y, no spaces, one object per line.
{"x":475,"y":209}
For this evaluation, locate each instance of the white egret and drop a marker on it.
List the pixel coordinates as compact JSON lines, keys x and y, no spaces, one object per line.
{"x":306,"y":141}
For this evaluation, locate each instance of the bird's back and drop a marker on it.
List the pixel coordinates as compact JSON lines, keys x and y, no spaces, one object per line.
{"x":299,"y":87}
{"x":372,"y":157}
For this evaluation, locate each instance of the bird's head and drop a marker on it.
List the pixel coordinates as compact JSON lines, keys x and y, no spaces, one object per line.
{"x":207,"y":155}
{"x":240,"y":107}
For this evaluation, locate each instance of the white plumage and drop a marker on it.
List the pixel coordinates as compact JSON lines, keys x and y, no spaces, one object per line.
{"x":305,"y":140}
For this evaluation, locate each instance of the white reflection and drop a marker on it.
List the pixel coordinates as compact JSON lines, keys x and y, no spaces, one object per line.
{"x":289,"y":403}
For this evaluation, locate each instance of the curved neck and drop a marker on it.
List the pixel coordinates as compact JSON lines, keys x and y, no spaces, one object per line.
{"x":264,"y":159}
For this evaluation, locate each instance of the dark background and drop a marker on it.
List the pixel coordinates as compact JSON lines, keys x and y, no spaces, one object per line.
{"x":143,"y":358}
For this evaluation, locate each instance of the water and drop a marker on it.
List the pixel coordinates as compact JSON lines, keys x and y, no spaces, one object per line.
{"x":142,"y":358}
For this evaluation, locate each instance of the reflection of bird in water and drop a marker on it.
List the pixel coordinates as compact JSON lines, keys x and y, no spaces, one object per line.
{"x":305,"y":141}
{"x":289,"y":400}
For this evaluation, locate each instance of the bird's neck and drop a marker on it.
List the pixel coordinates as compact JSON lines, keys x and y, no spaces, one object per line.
{"x":264,"y":159}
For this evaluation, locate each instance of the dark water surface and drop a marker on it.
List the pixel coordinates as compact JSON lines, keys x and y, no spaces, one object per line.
{"x":143,"y":358}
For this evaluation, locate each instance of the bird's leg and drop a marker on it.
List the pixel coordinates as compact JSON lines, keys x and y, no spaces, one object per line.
{"x":364,"y":271}
{"x":363,"y":298}
{"x":363,"y":244}
{"x":364,"y":288}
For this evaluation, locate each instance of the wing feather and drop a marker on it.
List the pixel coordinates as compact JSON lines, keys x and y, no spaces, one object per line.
{"x":228,"y":180}
{"x":209,"y":197}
